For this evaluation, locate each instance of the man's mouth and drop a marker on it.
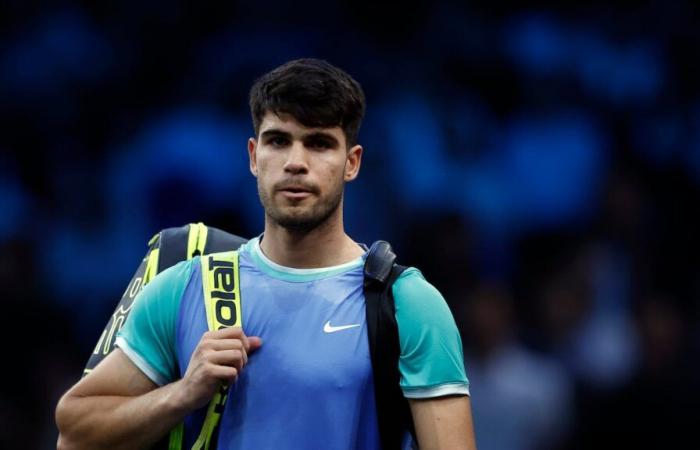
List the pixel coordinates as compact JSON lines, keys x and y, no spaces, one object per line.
{"x":295,"y":192}
{"x":295,"y":189}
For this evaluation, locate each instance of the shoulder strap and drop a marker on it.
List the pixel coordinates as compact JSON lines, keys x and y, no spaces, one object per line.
{"x":222,"y":295}
{"x":186,"y":242}
{"x":222,"y":302}
{"x":393,"y":413}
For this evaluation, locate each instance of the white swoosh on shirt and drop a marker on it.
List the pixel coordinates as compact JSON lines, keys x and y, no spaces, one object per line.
{"x":328,"y":328}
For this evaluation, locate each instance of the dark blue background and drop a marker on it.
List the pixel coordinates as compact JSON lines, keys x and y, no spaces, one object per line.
{"x":540,"y":164}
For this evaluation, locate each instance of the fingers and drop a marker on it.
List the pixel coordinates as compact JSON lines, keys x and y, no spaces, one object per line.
{"x":234,"y":333}
{"x":228,"y":347}
{"x":229,"y":333}
{"x":220,"y":356}
{"x":225,"y":374}
{"x":233,"y":358}
{"x":224,"y":344}
{"x":254,"y":343}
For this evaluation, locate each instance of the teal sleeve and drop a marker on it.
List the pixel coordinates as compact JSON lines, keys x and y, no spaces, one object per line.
{"x":148,"y":335}
{"x":431,"y":361}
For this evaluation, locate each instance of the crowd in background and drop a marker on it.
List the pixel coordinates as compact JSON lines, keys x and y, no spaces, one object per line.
{"x":539,"y":164}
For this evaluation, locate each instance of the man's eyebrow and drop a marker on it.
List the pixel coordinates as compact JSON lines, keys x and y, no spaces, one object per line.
{"x":275,"y":132}
{"x":322,"y":135}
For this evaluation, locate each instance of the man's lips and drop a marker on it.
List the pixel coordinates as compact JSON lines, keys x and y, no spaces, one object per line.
{"x":294,"y":189}
{"x":295,"y":192}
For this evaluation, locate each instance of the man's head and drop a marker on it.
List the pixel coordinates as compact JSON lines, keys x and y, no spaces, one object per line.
{"x":306,"y":116}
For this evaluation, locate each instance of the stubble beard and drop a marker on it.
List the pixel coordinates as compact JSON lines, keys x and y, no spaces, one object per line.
{"x":302,"y":221}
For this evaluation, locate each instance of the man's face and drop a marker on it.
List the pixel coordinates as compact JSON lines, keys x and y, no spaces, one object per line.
{"x":301,"y":171}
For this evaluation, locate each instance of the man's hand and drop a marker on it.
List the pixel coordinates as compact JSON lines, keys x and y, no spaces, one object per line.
{"x":218,"y":358}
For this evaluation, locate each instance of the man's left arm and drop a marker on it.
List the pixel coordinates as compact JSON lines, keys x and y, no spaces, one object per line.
{"x":433,"y":377}
{"x":443,"y":423}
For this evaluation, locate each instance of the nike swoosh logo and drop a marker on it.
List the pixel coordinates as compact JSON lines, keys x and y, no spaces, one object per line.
{"x":328,"y":328}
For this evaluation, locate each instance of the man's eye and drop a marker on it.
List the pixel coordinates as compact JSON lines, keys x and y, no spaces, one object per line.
{"x":319,"y":144}
{"x":277,"y":141}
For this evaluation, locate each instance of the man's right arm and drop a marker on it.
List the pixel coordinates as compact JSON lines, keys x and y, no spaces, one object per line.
{"x":118,"y":407}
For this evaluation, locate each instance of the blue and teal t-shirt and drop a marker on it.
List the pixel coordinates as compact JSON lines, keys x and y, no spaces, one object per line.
{"x":310,"y":384}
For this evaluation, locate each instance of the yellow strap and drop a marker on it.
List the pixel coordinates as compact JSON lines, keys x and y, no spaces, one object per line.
{"x":151,"y":261}
{"x":154,"y":238}
{"x":221,"y":290}
{"x":175,"y":441}
{"x":151,"y":266}
{"x":222,"y":302}
{"x":196,"y":239}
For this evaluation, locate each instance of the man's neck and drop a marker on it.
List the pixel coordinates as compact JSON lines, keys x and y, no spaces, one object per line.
{"x":325,"y":246}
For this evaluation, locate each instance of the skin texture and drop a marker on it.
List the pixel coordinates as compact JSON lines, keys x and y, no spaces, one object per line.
{"x":301,"y":173}
{"x":317,"y":160}
{"x":118,"y":407}
{"x":443,"y":423}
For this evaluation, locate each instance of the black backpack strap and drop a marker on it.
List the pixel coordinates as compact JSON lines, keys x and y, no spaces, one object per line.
{"x":393,"y":413}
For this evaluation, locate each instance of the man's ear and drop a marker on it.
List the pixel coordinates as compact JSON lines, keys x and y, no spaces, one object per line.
{"x":353,"y":162}
{"x":252,"y":147}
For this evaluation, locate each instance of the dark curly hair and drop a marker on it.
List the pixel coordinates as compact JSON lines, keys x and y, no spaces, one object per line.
{"x":314,"y":92}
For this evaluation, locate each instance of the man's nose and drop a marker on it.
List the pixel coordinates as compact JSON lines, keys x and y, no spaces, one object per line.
{"x":296,"y":159}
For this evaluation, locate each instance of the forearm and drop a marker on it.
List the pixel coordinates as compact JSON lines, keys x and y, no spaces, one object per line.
{"x":114,"y":422}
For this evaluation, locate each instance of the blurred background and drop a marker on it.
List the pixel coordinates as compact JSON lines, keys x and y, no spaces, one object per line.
{"x":540,"y":164}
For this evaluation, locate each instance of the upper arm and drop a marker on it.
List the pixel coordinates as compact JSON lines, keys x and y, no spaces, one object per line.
{"x":115,"y":375}
{"x":433,"y":377}
{"x":148,"y":336}
{"x":443,"y":423}
{"x":145,"y":353}
{"x":431,"y":361}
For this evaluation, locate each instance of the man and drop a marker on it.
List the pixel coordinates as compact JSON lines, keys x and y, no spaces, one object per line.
{"x":300,"y":371}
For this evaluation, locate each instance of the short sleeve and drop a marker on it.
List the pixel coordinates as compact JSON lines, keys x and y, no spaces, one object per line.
{"x":431,"y":361}
{"x":148,"y":335}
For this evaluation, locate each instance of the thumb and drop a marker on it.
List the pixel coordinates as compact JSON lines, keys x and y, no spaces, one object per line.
{"x":254,"y":343}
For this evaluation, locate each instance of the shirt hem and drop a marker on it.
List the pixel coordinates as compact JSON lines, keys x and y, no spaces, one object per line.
{"x":140,"y":362}
{"x":437,"y":391}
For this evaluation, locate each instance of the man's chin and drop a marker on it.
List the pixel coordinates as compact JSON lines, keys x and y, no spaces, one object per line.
{"x":297,"y":221}
{"x":302,"y":217}
{"x":298,"y":225}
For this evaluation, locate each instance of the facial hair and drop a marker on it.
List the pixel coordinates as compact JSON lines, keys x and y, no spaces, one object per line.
{"x":296,"y":219}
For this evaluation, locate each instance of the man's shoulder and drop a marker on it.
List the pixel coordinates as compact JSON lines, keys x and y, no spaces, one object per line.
{"x":431,"y":361}
{"x":411,"y":280}
{"x":416,"y":299}
{"x":169,"y":284}
{"x":178,"y":273}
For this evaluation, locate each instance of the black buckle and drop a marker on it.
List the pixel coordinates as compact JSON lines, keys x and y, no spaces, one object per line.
{"x":380,"y":260}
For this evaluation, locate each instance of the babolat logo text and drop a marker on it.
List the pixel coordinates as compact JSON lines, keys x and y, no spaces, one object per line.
{"x":222,"y":301}
{"x":223,"y":292}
